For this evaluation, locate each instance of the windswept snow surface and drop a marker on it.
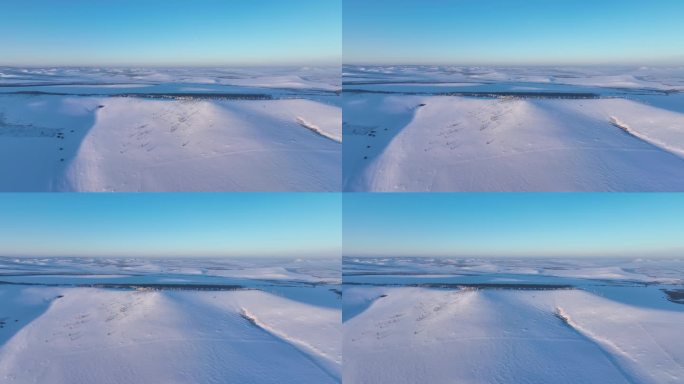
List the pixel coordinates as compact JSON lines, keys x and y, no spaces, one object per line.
{"x":513,"y":129}
{"x":446,"y":320}
{"x":89,"y":129}
{"x":65,"y":320}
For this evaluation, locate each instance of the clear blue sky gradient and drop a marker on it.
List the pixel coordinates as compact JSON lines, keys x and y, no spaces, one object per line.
{"x":170,"y":32}
{"x":514,"y":224}
{"x":171,"y":224}
{"x":518,"y":32}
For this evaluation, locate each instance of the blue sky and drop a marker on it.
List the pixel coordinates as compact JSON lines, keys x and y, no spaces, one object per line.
{"x":514,"y":224}
{"x":170,"y":32}
{"x":171,"y":224}
{"x":537,"y":32}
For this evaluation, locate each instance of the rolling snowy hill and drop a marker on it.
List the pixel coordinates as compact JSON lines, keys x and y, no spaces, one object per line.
{"x":170,"y":130}
{"x":513,"y":129}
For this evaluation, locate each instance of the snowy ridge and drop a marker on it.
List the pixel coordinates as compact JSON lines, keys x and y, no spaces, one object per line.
{"x":666,"y":146}
{"x":314,"y":128}
{"x":327,"y":362}
{"x":565,"y":317}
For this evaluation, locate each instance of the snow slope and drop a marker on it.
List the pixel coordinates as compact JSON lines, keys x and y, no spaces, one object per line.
{"x":85,"y":320}
{"x":53,"y":143}
{"x":169,"y":130}
{"x":110,"y":336}
{"x":435,"y":128}
{"x":441,"y":143}
{"x":444,"y":320}
{"x":504,"y":336}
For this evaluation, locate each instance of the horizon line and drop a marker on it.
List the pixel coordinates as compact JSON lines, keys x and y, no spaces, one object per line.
{"x":167,"y":257}
{"x":223,"y":65}
{"x":520,"y":256}
{"x":515,"y":64}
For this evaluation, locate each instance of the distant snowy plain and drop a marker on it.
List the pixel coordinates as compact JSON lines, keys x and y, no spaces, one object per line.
{"x":170,"y":129}
{"x":82,"y":320}
{"x":440,"y":128}
{"x":409,"y":320}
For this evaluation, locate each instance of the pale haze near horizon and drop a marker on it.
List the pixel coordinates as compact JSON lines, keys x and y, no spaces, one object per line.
{"x":39,"y":33}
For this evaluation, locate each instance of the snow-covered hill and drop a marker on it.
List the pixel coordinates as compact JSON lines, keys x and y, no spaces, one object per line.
{"x":62,"y":322}
{"x":169,"y":130}
{"x":489,"y":321}
{"x":458,"y":131}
